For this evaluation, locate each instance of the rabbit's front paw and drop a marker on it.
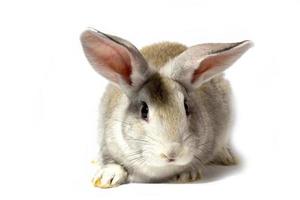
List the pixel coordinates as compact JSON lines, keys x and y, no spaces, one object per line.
{"x":187,"y":176}
{"x":110,"y":175}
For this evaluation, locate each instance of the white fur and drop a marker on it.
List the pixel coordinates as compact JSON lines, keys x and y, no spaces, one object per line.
{"x":169,"y":142}
{"x":109,"y":176}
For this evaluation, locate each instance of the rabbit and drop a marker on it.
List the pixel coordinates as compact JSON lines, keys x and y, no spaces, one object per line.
{"x":167,"y":112}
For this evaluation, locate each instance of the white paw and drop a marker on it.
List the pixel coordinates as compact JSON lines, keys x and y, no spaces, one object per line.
{"x":110,"y":175}
{"x":187,"y":176}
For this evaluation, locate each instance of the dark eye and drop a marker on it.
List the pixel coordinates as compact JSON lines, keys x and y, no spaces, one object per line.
{"x":186,"y":107}
{"x":144,"y":111}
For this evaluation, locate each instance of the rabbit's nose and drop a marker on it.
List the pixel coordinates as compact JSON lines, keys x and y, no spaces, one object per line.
{"x":172,"y":152}
{"x":167,"y":157}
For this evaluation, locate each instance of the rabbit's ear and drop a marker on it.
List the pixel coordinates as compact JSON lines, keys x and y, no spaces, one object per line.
{"x":202,"y":62}
{"x":116,"y":59}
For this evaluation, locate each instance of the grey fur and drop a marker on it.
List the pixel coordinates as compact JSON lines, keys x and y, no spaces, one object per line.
{"x":200,"y":138}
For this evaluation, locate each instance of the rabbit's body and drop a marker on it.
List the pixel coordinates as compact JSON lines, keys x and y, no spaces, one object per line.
{"x":213,"y":98}
{"x":168,"y":112}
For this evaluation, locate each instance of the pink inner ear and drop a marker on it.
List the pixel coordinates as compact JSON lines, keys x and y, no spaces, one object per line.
{"x":117,"y":58}
{"x":209,"y":64}
{"x":205,"y":65}
{"x":112,"y":59}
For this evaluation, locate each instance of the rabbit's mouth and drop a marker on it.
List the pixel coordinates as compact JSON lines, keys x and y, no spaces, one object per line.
{"x":163,"y":160}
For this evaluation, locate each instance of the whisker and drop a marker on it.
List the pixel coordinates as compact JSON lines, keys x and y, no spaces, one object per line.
{"x":123,"y":122}
{"x":199,"y":160}
{"x":154,"y":140}
{"x":187,"y":137}
{"x":136,"y":139}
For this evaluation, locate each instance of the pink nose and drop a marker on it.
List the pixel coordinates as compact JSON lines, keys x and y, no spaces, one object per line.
{"x":172,"y":152}
{"x":168,"y":157}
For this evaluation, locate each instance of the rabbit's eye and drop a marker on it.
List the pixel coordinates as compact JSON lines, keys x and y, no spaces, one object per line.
{"x":144,"y":111}
{"x":186,"y":107}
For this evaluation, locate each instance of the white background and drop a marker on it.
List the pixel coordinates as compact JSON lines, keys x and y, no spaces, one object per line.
{"x":49,"y":94}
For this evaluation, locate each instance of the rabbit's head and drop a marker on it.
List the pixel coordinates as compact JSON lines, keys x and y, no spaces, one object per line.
{"x":162,"y":124}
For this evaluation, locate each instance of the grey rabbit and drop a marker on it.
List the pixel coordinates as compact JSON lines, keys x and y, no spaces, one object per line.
{"x":167,"y":111}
